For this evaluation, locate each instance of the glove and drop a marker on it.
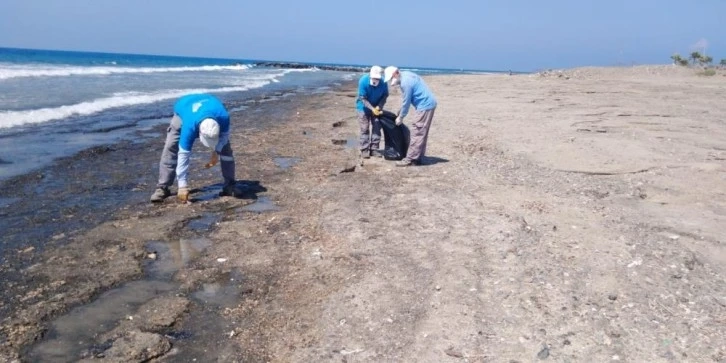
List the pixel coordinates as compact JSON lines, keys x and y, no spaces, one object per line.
{"x":212,"y":160}
{"x":399,"y":121}
{"x":377,"y":111}
{"x":183,"y":195}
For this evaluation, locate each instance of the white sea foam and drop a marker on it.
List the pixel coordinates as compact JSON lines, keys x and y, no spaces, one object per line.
{"x":17,"y":118}
{"x":300,"y":70}
{"x":13,"y":71}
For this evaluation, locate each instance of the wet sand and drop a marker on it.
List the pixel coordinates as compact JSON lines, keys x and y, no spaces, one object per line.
{"x":564,"y":216}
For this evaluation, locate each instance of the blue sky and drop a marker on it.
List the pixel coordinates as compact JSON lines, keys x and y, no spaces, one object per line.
{"x":496,"y":35}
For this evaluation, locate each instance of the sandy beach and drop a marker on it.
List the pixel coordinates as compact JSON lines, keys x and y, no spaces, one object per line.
{"x":562,"y":216}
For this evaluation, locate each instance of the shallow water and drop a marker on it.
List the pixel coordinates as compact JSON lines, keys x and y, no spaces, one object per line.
{"x":225,"y":292}
{"x":171,"y":257}
{"x":75,"y":332}
{"x":203,"y":223}
{"x":207,"y":193}
{"x":263,"y":204}
{"x":40,"y":149}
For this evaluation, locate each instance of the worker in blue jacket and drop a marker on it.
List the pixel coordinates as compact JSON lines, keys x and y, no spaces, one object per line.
{"x":196,"y":116}
{"x":372,"y":95}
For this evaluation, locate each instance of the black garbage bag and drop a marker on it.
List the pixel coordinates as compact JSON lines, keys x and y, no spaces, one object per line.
{"x":395,"y":137}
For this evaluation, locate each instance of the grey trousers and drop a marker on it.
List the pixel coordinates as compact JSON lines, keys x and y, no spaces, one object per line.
{"x":419,"y":134}
{"x":370,"y":132}
{"x":167,"y":164}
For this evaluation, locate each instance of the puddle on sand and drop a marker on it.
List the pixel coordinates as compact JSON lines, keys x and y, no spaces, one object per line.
{"x":286,"y":162}
{"x":206,"y":193}
{"x":205,"y":337}
{"x":225,"y":292}
{"x":74,"y":332}
{"x":203,"y":223}
{"x":201,"y":331}
{"x":171,"y":257}
{"x":262,"y":204}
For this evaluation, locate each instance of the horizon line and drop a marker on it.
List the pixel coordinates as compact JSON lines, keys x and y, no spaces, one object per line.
{"x":253,"y":60}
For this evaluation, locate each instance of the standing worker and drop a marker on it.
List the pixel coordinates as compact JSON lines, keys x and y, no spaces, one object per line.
{"x":413,"y":92}
{"x":372,"y":95}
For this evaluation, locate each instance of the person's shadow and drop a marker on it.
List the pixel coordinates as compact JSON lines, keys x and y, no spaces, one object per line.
{"x":248,"y":188}
{"x":431,"y":160}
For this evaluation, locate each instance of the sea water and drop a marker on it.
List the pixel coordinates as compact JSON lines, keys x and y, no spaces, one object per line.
{"x":56,"y":103}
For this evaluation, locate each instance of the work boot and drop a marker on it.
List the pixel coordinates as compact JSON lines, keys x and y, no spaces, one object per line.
{"x":365,"y":154}
{"x":376,"y":153}
{"x":160,"y":194}
{"x":231,"y":190}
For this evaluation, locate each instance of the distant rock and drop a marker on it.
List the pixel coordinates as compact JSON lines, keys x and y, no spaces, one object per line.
{"x":290,"y":65}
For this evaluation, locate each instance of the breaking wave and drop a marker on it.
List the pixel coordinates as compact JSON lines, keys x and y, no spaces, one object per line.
{"x":13,"y":71}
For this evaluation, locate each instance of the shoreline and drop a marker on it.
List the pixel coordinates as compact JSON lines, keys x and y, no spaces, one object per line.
{"x":94,"y":188}
{"x":45,"y":142}
{"x":149,"y":139}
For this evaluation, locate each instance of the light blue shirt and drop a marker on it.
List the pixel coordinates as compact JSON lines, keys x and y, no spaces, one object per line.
{"x":414,"y":91}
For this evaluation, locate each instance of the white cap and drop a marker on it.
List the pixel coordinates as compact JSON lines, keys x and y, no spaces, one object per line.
{"x":390,"y":70}
{"x":209,"y":133}
{"x":376,"y":72}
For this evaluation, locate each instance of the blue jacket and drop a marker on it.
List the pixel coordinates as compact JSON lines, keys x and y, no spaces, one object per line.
{"x":375,"y":95}
{"x":192,"y":110}
{"x":415,"y":92}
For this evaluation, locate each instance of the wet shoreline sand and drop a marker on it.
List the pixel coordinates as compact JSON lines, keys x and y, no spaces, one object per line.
{"x":572,"y":215}
{"x":56,"y":220}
